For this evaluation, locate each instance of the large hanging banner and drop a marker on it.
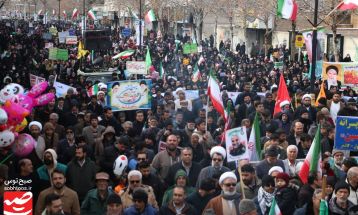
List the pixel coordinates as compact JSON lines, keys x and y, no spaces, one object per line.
{"x":129,"y":95}
{"x":236,"y":144}
{"x":346,"y":133}
{"x":344,"y":74}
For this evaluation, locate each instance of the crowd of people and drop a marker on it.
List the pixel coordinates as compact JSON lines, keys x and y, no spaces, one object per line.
{"x":171,"y":159}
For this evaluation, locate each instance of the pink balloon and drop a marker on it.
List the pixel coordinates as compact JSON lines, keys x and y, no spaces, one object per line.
{"x":44,"y":99}
{"x":23,"y":145}
{"x":38,"y":89}
{"x":15,"y":112}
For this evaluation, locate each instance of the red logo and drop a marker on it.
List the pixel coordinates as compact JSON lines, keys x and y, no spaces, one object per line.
{"x":17,"y":203}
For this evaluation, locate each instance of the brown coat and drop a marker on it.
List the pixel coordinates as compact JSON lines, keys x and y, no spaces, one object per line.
{"x":127,"y":199}
{"x":216,"y":205}
{"x":69,"y":199}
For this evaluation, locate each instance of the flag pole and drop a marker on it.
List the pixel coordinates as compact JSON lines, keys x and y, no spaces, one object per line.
{"x":241,"y":181}
{"x":206,"y":113}
{"x":324,"y":186}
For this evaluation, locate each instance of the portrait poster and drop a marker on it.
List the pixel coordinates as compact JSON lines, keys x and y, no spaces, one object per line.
{"x":129,"y":95}
{"x":343,"y":74}
{"x":236,"y":144}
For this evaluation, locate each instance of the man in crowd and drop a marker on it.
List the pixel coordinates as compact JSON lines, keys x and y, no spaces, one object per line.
{"x":191,"y":168}
{"x":228,"y":202}
{"x":69,"y":198}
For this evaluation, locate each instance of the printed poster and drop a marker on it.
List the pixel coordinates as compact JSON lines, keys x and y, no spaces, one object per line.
{"x":236,"y":144}
{"x":136,"y":67}
{"x":129,"y":95}
{"x":346,"y":133}
{"x":345,"y":74}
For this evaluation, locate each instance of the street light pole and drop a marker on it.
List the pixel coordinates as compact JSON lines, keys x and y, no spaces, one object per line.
{"x":84,"y":16}
{"x":140,"y":24}
{"x":314,"y":47}
{"x":59,"y":10}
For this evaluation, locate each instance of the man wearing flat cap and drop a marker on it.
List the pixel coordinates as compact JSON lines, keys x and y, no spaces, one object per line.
{"x":95,"y":200}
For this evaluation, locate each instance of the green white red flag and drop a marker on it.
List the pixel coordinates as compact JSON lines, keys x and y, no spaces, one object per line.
{"x":274,"y":210}
{"x":196,"y":74}
{"x":313,"y":158}
{"x":93,"y":90}
{"x":254,"y":144}
{"x":150,"y":17}
{"x":287,"y":9}
{"x":74,"y":13}
{"x":215,"y":95}
{"x":123,"y":55}
{"x":91,"y":14}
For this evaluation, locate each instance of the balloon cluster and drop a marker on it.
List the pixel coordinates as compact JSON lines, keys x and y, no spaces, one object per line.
{"x":15,"y":107}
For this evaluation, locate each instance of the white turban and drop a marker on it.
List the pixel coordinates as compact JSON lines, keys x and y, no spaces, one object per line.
{"x":219,"y":150}
{"x":226,"y":175}
{"x":38,"y":124}
{"x":306,"y":96}
{"x":275,"y":169}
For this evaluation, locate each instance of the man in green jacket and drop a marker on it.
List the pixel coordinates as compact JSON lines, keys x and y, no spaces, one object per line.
{"x":96,"y":199}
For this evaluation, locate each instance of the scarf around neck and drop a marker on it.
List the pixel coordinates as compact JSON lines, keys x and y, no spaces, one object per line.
{"x":265,"y":199}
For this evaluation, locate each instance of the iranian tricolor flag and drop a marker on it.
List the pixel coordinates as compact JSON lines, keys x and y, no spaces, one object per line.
{"x":313,"y":158}
{"x":125,"y":54}
{"x":93,"y":90}
{"x":348,"y":5}
{"x":64,"y":14}
{"x":196,"y":74}
{"x":148,"y":60}
{"x":92,"y":15}
{"x":150,"y":17}
{"x":74,"y":13}
{"x":215,"y":95}
{"x":254,"y":140}
{"x":53,"y":12}
{"x":274,"y":210}
{"x":287,"y":9}
{"x":39,"y":12}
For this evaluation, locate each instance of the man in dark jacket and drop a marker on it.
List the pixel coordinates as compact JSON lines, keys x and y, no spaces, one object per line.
{"x":178,"y":205}
{"x":200,"y":198}
{"x":81,"y":173}
{"x":191,"y":168}
{"x":271,"y":160}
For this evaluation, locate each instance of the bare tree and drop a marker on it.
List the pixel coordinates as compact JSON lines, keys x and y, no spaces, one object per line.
{"x":331,"y":18}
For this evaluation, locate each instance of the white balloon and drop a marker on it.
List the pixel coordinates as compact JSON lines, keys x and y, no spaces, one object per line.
{"x":6,"y":138}
{"x":9,"y":91}
{"x":120,"y":165}
{"x":3,"y":117}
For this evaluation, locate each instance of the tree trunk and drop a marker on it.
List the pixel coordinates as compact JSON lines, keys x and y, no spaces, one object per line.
{"x":335,"y":44}
{"x":293,"y":39}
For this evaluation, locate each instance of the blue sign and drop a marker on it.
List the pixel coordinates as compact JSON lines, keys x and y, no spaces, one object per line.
{"x":346,"y":133}
{"x":126,"y":32}
{"x":72,"y":32}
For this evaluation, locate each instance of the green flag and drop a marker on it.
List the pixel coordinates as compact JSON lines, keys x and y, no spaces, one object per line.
{"x":161,"y":70}
{"x":323,"y":207}
{"x":148,"y":60}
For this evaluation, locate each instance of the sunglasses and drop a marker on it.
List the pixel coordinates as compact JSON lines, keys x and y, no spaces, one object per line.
{"x":134,"y":182}
{"x":217,"y":159}
{"x":230,"y":184}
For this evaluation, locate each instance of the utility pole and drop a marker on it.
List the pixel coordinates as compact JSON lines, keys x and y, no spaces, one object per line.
{"x":140,"y":25}
{"x":59,"y":11}
{"x":314,"y":47}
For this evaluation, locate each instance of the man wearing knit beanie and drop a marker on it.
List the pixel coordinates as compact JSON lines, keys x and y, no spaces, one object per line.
{"x":340,"y":203}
